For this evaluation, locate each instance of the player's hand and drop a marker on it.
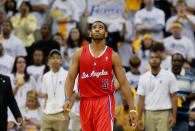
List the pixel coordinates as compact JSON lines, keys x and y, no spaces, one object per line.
{"x":67,"y":106}
{"x":140,"y":125}
{"x":172,"y":122}
{"x":133,"y":119}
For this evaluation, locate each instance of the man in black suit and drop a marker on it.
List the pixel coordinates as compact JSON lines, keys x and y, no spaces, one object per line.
{"x":7,"y":100}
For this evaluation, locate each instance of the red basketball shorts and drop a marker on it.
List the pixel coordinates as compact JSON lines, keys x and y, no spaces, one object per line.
{"x":97,"y":113}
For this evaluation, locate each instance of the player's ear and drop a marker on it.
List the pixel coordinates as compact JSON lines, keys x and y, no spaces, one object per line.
{"x":90,"y":34}
{"x":106,"y":34}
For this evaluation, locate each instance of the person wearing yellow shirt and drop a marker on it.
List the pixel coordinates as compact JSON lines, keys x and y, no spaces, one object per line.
{"x":24,"y":24}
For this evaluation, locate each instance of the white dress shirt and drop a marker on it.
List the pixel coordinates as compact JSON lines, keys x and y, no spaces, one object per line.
{"x":157,"y":89}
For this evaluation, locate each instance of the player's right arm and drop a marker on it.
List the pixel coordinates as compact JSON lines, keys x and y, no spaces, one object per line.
{"x":70,"y":80}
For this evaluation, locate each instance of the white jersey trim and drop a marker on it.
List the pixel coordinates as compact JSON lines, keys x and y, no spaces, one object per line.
{"x":100,"y":54}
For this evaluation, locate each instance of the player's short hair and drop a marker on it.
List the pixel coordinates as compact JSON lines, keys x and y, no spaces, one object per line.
{"x":135,"y":61}
{"x":105,"y":26}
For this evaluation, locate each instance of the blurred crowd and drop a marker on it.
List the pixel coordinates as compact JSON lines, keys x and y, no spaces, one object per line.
{"x":30,"y":29}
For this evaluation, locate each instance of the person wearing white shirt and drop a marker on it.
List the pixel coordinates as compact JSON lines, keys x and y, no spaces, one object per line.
{"x":31,"y":112}
{"x":177,"y":43}
{"x":6,"y":62}
{"x":157,"y":90}
{"x":134,"y":74}
{"x":53,"y":86}
{"x":21,"y":81}
{"x":187,"y":21}
{"x":36,"y":70}
{"x":65,"y":15}
{"x":150,"y":20}
{"x":12,"y":45}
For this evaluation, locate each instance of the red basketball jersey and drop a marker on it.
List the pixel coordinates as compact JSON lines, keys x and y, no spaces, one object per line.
{"x":95,"y":77}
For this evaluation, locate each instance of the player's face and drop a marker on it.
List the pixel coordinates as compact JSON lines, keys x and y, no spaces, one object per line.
{"x":55,"y":60}
{"x":155,"y":60}
{"x":98,"y":31}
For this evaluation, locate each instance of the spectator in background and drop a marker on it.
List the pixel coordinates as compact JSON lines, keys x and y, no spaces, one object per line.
{"x":53,"y":87}
{"x":32,"y":112}
{"x":157,"y":90}
{"x":21,"y":81}
{"x":63,"y":46}
{"x":166,"y":59}
{"x":187,"y":21}
{"x":150,"y":20}
{"x":65,"y":15}
{"x":190,"y":5}
{"x":74,"y":41}
{"x":134,"y":73}
{"x":144,"y":51}
{"x":10,"y":8}
{"x":12,"y":45}
{"x":24,"y":24}
{"x":185,"y":94}
{"x":187,"y":67}
{"x":39,"y":8}
{"x":46,"y":44}
{"x":178,"y":43}
{"x":60,"y":39}
{"x":36,"y":69}
{"x":6,"y":62}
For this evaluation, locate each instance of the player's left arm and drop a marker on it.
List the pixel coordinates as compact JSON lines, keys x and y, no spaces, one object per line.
{"x":124,"y":85}
{"x":121,"y":77}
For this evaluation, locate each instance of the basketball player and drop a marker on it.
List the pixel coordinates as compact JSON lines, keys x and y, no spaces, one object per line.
{"x":95,"y":64}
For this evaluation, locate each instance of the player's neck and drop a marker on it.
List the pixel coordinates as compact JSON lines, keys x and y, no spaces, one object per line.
{"x":98,"y":45}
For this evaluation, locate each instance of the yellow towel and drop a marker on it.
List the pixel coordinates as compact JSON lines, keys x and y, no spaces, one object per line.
{"x":179,"y":102}
{"x":63,"y":29}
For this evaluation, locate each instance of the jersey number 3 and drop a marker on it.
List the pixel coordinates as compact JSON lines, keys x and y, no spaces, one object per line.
{"x":105,"y":81}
